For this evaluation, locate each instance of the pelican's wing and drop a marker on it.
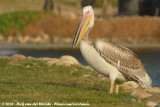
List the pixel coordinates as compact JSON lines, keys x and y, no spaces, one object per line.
{"x":125,"y":61}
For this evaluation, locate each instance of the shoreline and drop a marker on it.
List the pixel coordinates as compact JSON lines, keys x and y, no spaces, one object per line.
{"x":69,"y":46}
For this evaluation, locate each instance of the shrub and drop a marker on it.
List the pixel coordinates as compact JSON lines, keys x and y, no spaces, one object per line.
{"x":15,"y":20}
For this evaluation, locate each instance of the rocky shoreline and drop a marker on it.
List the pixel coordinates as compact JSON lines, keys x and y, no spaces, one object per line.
{"x":45,"y":41}
{"x":151,"y":97}
{"x":39,"y":39}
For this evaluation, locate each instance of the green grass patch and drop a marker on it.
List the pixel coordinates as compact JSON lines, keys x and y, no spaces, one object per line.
{"x":31,"y":81}
{"x":15,"y":20}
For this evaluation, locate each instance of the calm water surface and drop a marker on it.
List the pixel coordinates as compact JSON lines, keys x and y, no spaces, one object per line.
{"x":150,"y":58}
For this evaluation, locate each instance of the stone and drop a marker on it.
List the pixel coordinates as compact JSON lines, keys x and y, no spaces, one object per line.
{"x":69,"y":59}
{"x":18,"y":56}
{"x":132,"y":100}
{"x":71,"y":72}
{"x":67,"y":62}
{"x":140,"y":94}
{"x":27,"y":38}
{"x":37,"y":40}
{"x":62,"y":63}
{"x":10,"y":39}
{"x":3,"y":57}
{"x":46,"y":38}
{"x":64,"y":60}
{"x":153,"y":90}
{"x":103,"y":78}
{"x":30,"y":57}
{"x":56,"y":39}
{"x":153,"y":101}
{"x":23,"y":40}
{"x":2,"y":39}
{"x":52,"y":62}
{"x":129,"y":85}
{"x":87,"y":75}
{"x":28,"y":66}
{"x":45,"y":59}
{"x":88,"y":68}
{"x":67,"y":40}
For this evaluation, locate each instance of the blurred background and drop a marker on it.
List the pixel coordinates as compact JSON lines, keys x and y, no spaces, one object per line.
{"x":45,"y":28}
{"x":56,"y":21}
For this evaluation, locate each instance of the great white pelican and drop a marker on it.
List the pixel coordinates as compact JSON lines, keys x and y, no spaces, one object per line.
{"x":114,"y":61}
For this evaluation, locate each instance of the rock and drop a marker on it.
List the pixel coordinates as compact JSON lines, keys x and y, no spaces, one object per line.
{"x":18,"y":56}
{"x":153,"y":90}
{"x":56,"y":39}
{"x":69,"y":59}
{"x":28,"y":66}
{"x":153,"y":101}
{"x":10,"y":39}
{"x":2,"y":57}
{"x":88,"y":68}
{"x":64,"y":63}
{"x":46,"y":38}
{"x":103,"y":78}
{"x":30,"y":57}
{"x":140,"y":94}
{"x":20,"y":39}
{"x":73,"y":70}
{"x":156,"y":88}
{"x":45,"y":59}
{"x":27,"y":39}
{"x":67,"y":40}
{"x":64,"y":60}
{"x":86,"y":75}
{"x":129,"y":85}
{"x":37,"y":40}
{"x":157,"y":105}
{"x":132,"y":100}
{"x":53,"y":62}
{"x":2,"y":39}
{"x":23,"y":40}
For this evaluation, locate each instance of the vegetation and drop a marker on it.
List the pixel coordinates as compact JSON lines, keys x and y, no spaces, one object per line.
{"x":15,"y":20}
{"x":98,"y":3}
{"x":28,"y":81}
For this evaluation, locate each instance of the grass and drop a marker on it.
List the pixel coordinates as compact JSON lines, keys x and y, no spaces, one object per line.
{"x":32,"y":81}
{"x":16,"y":21}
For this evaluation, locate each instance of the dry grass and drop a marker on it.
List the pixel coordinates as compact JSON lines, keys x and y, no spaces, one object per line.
{"x":130,"y":29}
{"x":52,"y":25}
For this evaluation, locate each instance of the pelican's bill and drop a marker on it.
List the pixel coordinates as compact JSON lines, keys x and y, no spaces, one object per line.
{"x":81,"y":29}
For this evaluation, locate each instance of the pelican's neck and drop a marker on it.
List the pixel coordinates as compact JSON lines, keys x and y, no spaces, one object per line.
{"x":85,"y":37}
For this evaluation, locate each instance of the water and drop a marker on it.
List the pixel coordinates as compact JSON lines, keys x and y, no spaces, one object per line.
{"x":150,"y":58}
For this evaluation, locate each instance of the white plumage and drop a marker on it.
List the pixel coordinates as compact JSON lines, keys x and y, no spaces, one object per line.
{"x":114,"y":61}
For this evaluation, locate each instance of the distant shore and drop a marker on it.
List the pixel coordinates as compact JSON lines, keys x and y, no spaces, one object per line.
{"x":67,"y":46}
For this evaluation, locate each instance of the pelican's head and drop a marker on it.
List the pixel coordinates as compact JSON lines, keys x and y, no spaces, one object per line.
{"x":85,"y":25}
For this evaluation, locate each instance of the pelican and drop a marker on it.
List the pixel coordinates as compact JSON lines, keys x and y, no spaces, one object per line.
{"x":114,"y":61}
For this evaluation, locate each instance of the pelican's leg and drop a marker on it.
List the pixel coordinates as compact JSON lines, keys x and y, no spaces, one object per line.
{"x":117,"y":88}
{"x":111,"y":87}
